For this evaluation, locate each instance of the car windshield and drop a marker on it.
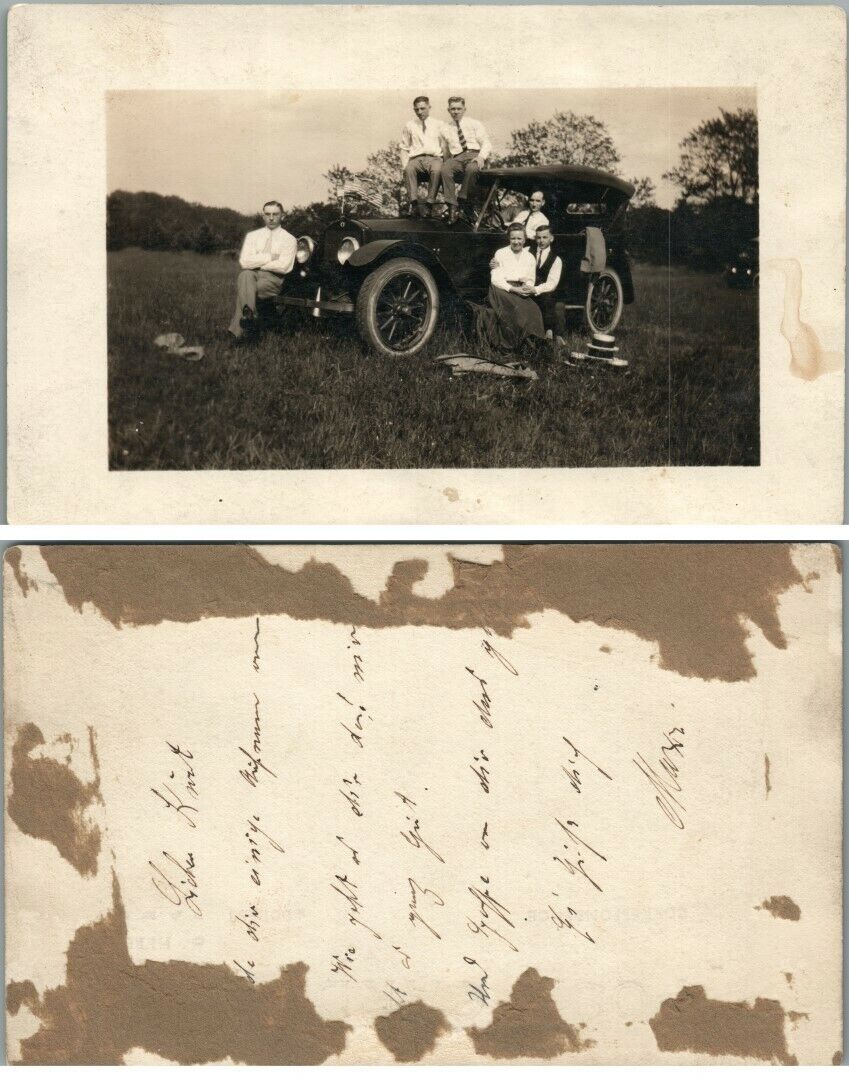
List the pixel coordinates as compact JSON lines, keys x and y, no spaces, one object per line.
{"x":563,"y":205}
{"x":499,"y":204}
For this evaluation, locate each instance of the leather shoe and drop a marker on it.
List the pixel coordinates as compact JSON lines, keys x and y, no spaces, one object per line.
{"x":248,"y":319}
{"x":240,"y":342}
{"x":453,"y":215}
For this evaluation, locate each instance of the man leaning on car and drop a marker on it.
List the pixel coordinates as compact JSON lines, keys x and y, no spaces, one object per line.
{"x":267,"y":256}
{"x":421,"y":154}
{"x":467,"y":147}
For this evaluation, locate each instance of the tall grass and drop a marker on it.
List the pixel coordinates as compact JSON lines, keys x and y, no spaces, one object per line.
{"x":310,"y":397}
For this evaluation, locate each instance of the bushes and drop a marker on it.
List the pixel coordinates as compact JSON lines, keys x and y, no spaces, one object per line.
{"x":702,"y":237}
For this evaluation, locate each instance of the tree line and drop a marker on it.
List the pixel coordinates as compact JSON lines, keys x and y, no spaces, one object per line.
{"x":715,"y":215}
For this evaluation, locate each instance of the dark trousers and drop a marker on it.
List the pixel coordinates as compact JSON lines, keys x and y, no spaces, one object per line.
{"x":427,"y":167}
{"x":466,"y":164}
{"x":553,"y":313}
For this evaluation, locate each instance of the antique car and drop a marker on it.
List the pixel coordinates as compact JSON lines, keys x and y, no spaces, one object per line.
{"x":743,"y":271}
{"x":396,"y":274}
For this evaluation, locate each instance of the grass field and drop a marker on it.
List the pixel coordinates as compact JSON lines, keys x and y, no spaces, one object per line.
{"x":310,"y":397}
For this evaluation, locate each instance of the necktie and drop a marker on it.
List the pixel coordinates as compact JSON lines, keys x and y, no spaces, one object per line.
{"x":461,"y":137}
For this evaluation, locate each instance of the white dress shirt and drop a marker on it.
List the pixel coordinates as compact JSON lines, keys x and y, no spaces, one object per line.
{"x":512,"y":266}
{"x":532,"y":221}
{"x":473,"y":132}
{"x":554,"y":272}
{"x":269,"y":249}
{"x":417,"y":140}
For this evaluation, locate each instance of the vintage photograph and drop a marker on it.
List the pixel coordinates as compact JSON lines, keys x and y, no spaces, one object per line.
{"x":451,"y":277}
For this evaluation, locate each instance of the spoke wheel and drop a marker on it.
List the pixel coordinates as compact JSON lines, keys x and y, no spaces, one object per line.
{"x":605,"y":301}
{"x":397,"y":307}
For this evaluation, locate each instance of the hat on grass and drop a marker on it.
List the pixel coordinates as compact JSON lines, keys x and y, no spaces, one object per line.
{"x":602,"y":347}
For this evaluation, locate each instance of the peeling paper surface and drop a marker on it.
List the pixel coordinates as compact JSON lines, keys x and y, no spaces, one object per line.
{"x":271,"y":835}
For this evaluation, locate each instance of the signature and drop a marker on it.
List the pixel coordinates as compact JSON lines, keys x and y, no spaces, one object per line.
{"x":666,"y":784}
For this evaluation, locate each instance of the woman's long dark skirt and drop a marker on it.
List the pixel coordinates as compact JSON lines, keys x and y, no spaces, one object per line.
{"x":509,"y":321}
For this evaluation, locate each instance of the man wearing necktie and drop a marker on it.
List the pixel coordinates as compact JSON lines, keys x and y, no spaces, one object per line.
{"x":421,"y":155}
{"x":466,"y":148}
{"x":267,"y":256}
{"x":549,"y":268}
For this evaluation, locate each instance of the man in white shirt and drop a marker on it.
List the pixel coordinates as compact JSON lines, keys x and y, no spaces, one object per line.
{"x":533,"y":217}
{"x":421,"y":155}
{"x":267,"y":256}
{"x":466,"y":147}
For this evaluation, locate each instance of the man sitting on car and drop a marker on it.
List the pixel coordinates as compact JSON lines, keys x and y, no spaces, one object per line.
{"x":466,"y":148}
{"x":421,"y":155}
{"x":267,"y":256}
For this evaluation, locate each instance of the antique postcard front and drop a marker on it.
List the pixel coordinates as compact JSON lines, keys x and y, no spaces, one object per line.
{"x":301,"y":280}
{"x":575,"y":804}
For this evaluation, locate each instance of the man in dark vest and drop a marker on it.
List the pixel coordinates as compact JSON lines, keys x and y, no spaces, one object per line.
{"x":545,"y":289}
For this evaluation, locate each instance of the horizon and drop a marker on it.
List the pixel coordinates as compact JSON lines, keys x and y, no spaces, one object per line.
{"x":168,"y":142}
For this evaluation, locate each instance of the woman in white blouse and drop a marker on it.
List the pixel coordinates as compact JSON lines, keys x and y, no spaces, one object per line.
{"x":512,"y":317}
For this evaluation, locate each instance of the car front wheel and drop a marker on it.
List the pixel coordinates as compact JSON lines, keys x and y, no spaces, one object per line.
{"x":605,"y":301}
{"x":397,"y":308}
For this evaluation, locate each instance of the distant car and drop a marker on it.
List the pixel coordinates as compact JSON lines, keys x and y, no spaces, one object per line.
{"x":744,"y":271}
{"x":395,"y":274}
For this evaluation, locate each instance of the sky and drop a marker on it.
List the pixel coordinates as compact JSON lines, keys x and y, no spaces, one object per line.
{"x":237,"y":148}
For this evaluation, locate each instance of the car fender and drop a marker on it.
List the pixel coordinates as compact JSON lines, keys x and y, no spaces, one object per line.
{"x":372,"y":254}
{"x":371,"y":251}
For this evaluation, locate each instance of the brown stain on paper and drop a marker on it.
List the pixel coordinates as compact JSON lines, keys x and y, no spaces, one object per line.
{"x":781,"y":907}
{"x":688,"y":598}
{"x":528,"y":1025}
{"x":767,"y":782}
{"x":694,"y":1023}
{"x":188,"y":1013}
{"x":808,"y":359}
{"x":411,"y":1031}
{"x":25,"y":582}
{"x":19,"y":994}
{"x":48,"y":801}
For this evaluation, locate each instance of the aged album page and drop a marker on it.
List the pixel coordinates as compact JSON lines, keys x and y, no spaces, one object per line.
{"x":279,"y":805}
{"x":729,"y":408}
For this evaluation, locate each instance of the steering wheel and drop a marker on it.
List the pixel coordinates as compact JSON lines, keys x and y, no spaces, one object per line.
{"x":495,"y":217}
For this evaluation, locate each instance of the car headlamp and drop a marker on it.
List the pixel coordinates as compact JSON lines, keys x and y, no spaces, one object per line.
{"x":346,"y":249}
{"x":306,"y":246}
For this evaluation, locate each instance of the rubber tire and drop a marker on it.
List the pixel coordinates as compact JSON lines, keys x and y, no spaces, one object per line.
{"x":367,"y":303}
{"x":611,"y":274}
